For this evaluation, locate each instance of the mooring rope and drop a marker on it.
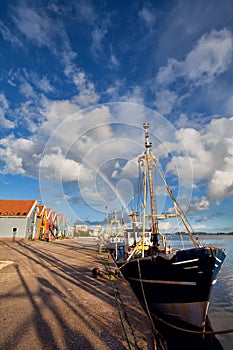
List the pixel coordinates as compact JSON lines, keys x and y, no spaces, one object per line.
{"x":114,"y":287}
{"x":156,"y":333}
{"x":120,"y":315}
{"x":224,"y":331}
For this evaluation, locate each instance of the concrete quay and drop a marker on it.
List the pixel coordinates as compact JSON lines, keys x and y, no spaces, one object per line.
{"x":50,"y":300}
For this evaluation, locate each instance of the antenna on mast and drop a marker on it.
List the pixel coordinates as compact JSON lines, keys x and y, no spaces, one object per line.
{"x":148,"y":144}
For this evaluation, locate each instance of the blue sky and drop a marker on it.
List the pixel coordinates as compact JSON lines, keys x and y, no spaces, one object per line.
{"x":79,"y":78}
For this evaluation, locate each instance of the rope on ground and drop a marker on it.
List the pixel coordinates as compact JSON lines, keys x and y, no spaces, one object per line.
{"x":120,"y":314}
{"x":120,"y":310}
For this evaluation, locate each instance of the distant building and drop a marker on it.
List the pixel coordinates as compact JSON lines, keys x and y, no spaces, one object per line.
{"x":81,"y":228}
{"x":18,"y":218}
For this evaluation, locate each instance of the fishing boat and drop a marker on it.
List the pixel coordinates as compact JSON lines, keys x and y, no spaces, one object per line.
{"x":111,"y":239}
{"x":171,"y":283}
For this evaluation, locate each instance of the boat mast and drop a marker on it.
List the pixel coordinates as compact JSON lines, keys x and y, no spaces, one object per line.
{"x":151,"y":160}
{"x":134,"y":215}
{"x":148,"y":159}
{"x":106,"y":215}
{"x":122,"y":216}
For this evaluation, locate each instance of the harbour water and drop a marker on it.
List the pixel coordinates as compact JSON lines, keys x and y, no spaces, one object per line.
{"x":221,"y":306}
{"x":220,"y":312}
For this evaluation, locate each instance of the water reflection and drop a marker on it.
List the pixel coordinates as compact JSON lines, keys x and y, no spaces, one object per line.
{"x":187,"y":340}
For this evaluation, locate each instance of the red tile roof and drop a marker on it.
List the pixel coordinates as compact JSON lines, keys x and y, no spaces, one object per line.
{"x":15,"y":207}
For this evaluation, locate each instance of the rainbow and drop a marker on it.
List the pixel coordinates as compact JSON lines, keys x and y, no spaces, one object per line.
{"x":110,"y":185}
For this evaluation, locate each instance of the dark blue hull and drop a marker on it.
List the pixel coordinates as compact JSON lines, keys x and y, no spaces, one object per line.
{"x":177,"y":285}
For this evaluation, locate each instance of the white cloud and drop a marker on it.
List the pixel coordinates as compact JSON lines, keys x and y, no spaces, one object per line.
{"x":28,"y":115}
{"x":13,"y":152}
{"x":98,"y":34}
{"x":113,"y":59}
{"x":55,"y":167}
{"x":3,"y":102}
{"x":165,"y":100}
{"x":210,"y":152}
{"x":13,"y":163}
{"x":32,"y":25}
{"x":169,"y":73}
{"x":133,"y":95}
{"x":182,"y":121}
{"x":113,"y":90}
{"x":210,"y":57}
{"x":147,"y":24}
{"x":221,"y":184}
{"x":9,"y":36}
{"x":55,"y":113}
{"x":4,"y":107}
{"x":87,"y":94}
{"x":86,"y":12}
{"x":40,"y":82}
{"x":30,"y":84}
{"x":27,"y":90}
{"x":130,"y":170}
{"x":200,"y":157}
{"x":148,"y":16}
{"x":44,"y":84}
{"x":199,"y":227}
{"x":200,"y":204}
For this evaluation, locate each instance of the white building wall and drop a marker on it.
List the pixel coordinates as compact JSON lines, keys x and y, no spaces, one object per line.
{"x":25,"y":226}
{"x":8,"y":223}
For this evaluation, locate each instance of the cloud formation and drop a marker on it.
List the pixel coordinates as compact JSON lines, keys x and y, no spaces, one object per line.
{"x":209,"y":58}
{"x":63,"y":60}
{"x":210,"y":152}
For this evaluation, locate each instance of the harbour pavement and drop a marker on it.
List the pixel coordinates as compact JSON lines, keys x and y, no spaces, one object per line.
{"x":49,"y":299}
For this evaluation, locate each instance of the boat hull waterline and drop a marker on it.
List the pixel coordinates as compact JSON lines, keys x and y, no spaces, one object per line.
{"x":178,"y":285}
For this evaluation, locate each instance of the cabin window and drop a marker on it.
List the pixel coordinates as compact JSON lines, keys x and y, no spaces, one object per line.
{"x":18,"y":213}
{"x":5,"y":213}
{"x":24,"y":214}
{"x":12,"y":213}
